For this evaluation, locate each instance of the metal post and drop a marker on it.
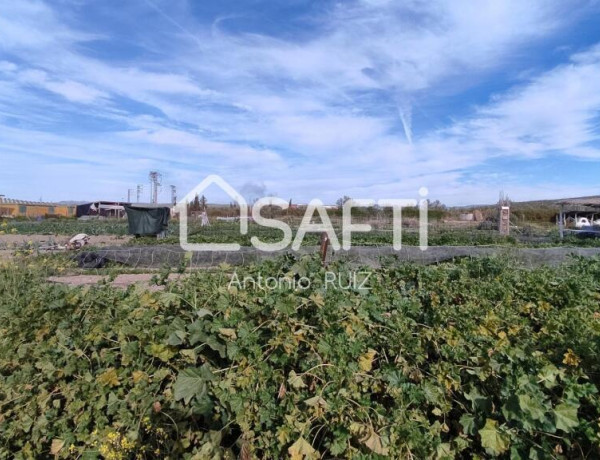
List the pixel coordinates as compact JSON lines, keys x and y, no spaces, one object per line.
{"x":173,"y":195}
{"x":155,"y":182}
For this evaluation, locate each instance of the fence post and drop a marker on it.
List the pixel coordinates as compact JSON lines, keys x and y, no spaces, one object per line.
{"x":324,"y":246}
{"x":561,"y":220}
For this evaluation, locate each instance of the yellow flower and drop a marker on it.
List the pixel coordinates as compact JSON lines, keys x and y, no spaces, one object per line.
{"x":127,"y":444}
{"x":571,"y":359}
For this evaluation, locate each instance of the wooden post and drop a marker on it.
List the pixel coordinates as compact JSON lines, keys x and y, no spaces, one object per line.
{"x":504,"y":224}
{"x":561,"y":221}
{"x":324,"y":246}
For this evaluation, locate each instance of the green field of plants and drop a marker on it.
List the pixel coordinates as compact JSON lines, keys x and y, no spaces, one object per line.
{"x":472,"y":359}
{"x":228,"y":232}
{"x":64,"y":227}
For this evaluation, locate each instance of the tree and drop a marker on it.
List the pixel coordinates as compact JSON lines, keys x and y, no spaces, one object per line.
{"x":196,"y":204}
{"x":437,"y":204}
{"x":340,"y":202}
{"x":202,"y":203}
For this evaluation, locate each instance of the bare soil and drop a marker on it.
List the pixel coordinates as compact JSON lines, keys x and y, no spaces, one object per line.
{"x":95,"y":240}
{"x":8,"y":243}
{"x":121,"y":281}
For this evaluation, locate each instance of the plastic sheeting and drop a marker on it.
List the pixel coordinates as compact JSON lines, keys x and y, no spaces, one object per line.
{"x":147,"y":220}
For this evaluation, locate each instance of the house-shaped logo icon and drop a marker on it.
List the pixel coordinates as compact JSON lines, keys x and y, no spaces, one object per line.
{"x":182,"y":205}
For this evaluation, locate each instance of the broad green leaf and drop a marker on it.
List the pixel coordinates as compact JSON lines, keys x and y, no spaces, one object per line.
{"x":478,"y":401}
{"x":317,"y":300}
{"x":468,"y":423}
{"x":108,"y":378}
{"x":56,"y":447}
{"x":365,"y":362}
{"x":197,"y":335}
{"x":139,"y":376}
{"x":532,"y":407}
{"x":301,"y":450}
{"x":565,"y":415}
{"x":192,"y":382}
{"x":160,"y":351}
{"x":548,"y":375}
{"x":176,"y":338}
{"x":493,"y":440}
{"x":190,"y":355}
{"x":202,"y":312}
{"x":373,"y":441}
{"x":227,"y":332}
{"x":445,"y":452}
{"x":316,"y":401}
{"x":296,"y":381}
{"x":167,"y":298}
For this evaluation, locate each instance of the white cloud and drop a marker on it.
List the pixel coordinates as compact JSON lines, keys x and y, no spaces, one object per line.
{"x":555,"y":112}
{"x":7,"y":66}
{"x":333,"y":111}
{"x":71,"y":90}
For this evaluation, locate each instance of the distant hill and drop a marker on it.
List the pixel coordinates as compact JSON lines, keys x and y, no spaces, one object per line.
{"x":528,"y":211}
{"x":534,"y":203}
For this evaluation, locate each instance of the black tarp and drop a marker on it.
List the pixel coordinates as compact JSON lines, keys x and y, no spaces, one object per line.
{"x":147,"y":220}
{"x":84,"y":209}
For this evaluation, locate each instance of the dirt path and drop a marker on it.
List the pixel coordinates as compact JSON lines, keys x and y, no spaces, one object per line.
{"x":121,"y":281}
{"x":8,"y":243}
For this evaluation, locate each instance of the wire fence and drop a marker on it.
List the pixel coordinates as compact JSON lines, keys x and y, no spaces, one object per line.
{"x":173,"y":257}
{"x":447,"y":240}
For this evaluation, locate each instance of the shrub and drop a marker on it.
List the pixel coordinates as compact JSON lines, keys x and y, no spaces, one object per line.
{"x":476,"y":358}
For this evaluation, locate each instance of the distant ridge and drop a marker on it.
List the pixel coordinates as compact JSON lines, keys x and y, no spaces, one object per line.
{"x":548,"y":202}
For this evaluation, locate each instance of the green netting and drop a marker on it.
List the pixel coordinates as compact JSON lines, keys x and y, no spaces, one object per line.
{"x":146,"y":220}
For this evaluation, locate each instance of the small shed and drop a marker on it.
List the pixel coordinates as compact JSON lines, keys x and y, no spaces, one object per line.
{"x":148,"y":219}
{"x":34,"y":209}
{"x":101,"y":208}
{"x":584,"y":205}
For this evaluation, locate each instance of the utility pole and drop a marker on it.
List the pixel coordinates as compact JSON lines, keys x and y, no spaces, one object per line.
{"x":140,"y":189}
{"x":155,"y":182}
{"x":129,"y":190}
{"x":173,"y":194}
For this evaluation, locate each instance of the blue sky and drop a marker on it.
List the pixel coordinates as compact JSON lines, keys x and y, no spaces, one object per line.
{"x":301,"y":99}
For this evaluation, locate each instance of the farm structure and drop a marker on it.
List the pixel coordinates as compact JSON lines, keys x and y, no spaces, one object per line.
{"x":148,"y":219}
{"x":20,"y":208}
{"x":102,"y":209}
{"x":114,"y":209}
{"x":582,"y":214}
